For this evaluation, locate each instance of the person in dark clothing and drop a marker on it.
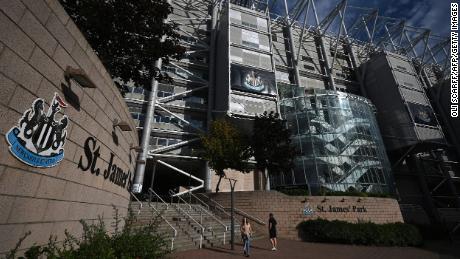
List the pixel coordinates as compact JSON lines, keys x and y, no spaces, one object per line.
{"x":272,"y":231}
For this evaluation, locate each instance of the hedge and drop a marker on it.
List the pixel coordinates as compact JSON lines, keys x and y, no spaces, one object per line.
{"x":336,"y":231}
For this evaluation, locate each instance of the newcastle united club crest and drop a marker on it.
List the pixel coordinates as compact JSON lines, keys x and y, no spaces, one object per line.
{"x":252,"y":81}
{"x":38,"y":139}
{"x":307,"y":210}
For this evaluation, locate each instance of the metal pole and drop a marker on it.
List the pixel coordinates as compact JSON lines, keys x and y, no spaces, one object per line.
{"x":147,"y":128}
{"x":151,"y":181}
{"x":232,"y":207}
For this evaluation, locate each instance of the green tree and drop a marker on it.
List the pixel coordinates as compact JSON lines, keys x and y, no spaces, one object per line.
{"x":126,"y":35}
{"x":271,"y":145}
{"x":225,"y":147}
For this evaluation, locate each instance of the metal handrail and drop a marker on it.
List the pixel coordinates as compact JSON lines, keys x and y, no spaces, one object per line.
{"x":206,"y":211}
{"x":218,"y":221}
{"x":179,"y":198}
{"x":169,"y":224}
{"x":216,"y":205}
{"x":201,"y":226}
{"x":202,"y":202}
{"x":242,"y":213}
{"x":209,"y":213}
{"x":138,"y":201}
{"x":158,"y":196}
{"x":238,"y":211}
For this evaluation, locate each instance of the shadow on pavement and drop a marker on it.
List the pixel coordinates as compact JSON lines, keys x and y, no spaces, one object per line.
{"x":444,"y":248}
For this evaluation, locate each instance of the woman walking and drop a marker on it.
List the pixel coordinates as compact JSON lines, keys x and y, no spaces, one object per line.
{"x":246,"y":232}
{"x":272,"y":231}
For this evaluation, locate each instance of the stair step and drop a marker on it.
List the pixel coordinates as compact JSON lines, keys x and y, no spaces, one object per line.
{"x":188,"y":232}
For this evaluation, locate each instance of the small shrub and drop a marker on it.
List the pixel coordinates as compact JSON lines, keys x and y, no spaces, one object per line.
{"x":139,"y":243}
{"x":389,"y":234}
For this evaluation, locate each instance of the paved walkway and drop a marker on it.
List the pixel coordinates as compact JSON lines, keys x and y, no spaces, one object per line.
{"x":297,"y":249}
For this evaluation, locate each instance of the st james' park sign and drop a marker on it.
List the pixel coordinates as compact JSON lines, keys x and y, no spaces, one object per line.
{"x":308,"y":210}
{"x":38,"y":139}
{"x":113,"y":172}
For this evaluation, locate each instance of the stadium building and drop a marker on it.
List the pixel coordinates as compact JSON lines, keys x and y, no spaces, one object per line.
{"x":365,"y":96}
{"x":359,"y":91}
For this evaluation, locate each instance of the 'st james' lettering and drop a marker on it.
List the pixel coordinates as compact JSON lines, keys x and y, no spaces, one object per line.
{"x":113,"y":172}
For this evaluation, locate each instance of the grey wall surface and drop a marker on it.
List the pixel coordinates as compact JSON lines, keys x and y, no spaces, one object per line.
{"x":37,"y":42}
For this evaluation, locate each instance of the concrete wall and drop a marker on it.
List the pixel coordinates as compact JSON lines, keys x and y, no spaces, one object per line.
{"x":37,"y":42}
{"x":245,"y":181}
{"x":289,"y":210}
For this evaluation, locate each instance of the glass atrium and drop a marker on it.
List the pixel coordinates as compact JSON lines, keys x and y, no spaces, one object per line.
{"x":338,"y":139}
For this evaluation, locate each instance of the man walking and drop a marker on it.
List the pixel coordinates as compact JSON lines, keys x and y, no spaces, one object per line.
{"x":246,"y":232}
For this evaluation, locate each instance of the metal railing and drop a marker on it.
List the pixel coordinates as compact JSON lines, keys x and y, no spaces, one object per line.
{"x":225,"y":227}
{"x":180,"y":210}
{"x":237,"y":211}
{"x":153,"y":194}
{"x":179,"y":199}
{"x":169,"y":224}
{"x":210,"y":214}
{"x":216,"y":206}
{"x":193,"y":196}
{"x":138,"y":201}
{"x":203,"y":208}
{"x":159,"y":199}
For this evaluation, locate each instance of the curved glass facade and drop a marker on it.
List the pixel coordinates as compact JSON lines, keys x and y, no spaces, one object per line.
{"x":339,"y":142}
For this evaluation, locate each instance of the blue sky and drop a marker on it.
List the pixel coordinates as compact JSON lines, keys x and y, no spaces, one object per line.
{"x":430,"y":14}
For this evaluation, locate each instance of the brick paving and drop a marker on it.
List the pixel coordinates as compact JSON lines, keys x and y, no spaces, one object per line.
{"x":297,"y":249}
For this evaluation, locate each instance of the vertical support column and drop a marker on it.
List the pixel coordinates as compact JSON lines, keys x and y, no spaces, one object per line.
{"x":147,"y":127}
{"x":211,"y":85}
{"x":351,"y":52}
{"x":415,"y":160}
{"x":323,"y":49}
{"x":142,"y":158}
{"x":267,"y":180}
{"x":292,"y":47}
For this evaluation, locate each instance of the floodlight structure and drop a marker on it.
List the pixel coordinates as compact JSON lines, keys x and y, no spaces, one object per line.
{"x":396,"y":66}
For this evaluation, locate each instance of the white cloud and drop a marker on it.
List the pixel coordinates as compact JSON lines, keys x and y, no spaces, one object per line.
{"x":434,"y":16}
{"x":431,"y":14}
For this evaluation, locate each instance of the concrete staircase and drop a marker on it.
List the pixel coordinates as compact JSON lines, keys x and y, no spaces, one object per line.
{"x":188,"y":221}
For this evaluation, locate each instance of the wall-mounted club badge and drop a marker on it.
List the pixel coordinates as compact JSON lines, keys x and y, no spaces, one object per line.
{"x":38,"y":139}
{"x":307,"y":210}
{"x":252,"y":81}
